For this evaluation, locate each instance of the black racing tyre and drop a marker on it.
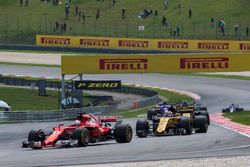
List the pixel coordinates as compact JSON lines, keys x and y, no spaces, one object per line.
{"x":203,"y":108}
{"x":123,"y":133}
{"x":150,"y":114}
{"x":36,"y":136}
{"x":239,"y":109}
{"x":205,"y":113}
{"x":186,"y":124}
{"x":142,"y":128}
{"x":225,"y":110}
{"x":201,"y":124}
{"x":82,"y":135}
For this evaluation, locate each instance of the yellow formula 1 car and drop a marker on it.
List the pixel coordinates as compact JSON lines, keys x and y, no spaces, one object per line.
{"x":183,"y":122}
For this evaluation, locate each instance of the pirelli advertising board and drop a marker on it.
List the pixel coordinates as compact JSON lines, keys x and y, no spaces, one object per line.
{"x":98,"y":85}
{"x":144,"y":44}
{"x":103,"y":64}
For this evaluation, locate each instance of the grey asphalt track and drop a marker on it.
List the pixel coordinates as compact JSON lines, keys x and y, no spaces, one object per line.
{"x":215,"y":92}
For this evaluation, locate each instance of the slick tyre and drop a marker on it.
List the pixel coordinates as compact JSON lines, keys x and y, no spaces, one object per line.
{"x":82,"y":135}
{"x":150,"y":114}
{"x":205,"y":113}
{"x":36,"y":136}
{"x":201,"y":124}
{"x":123,"y":133}
{"x":141,"y":128}
{"x":186,"y":125}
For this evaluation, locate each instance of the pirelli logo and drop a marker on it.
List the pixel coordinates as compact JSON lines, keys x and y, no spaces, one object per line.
{"x":123,"y":64}
{"x":244,"y":46}
{"x":133,"y":44}
{"x":94,"y":42}
{"x":172,"y":45}
{"x":213,"y":46}
{"x":98,"y":85}
{"x":57,"y":41}
{"x":204,"y":63}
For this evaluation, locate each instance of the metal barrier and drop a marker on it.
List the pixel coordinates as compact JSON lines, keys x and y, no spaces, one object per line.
{"x":53,"y":115}
{"x":152,"y":97}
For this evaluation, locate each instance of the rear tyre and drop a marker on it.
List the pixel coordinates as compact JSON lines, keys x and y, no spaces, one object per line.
{"x":141,"y":128}
{"x":205,"y":113}
{"x":82,"y":135}
{"x":201,"y":124}
{"x":186,"y":125}
{"x":150,"y":114}
{"x":123,"y":133}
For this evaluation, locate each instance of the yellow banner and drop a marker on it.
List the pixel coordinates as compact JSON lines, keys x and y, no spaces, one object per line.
{"x":145,"y":44}
{"x":105,"y":64}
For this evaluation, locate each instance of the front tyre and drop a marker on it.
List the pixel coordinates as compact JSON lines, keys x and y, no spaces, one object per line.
{"x":142,"y":128}
{"x":82,"y":135}
{"x":123,"y":133}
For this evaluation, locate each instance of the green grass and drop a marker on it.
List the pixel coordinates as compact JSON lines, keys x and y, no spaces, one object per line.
{"x":168,"y":96}
{"x":20,"y":24}
{"x":239,"y":117}
{"x":26,"y":99}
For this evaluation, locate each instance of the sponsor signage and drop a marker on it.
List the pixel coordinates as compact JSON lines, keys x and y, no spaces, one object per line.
{"x":123,"y":64}
{"x":98,"y":85}
{"x":204,"y":63}
{"x":94,"y":42}
{"x":55,"y":41}
{"x":133,"y":43}
{"x":213,"y":46}
{"x":104,"y":64}
{"x":172,"y":45}
{"x":145,"y":44}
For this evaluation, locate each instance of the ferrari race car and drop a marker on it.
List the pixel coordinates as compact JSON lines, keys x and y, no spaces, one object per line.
{"x":182,"y":121}
{"x":86,"y":129}
{"x":233,"y":108}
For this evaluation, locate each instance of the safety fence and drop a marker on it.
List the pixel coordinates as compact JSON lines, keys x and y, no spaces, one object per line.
{"x":150,"y":97}
{"x":22,"y":29}
{"x":54,"y":115}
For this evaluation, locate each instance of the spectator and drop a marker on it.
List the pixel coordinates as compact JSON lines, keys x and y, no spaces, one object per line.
{"x":236,"y":30}
{"x":164,"y":21}
{"x":178,"y":30}
{"x":165,"y":4}
{"x":222,"y":26}
{"x":65,"y":27}
{"x":83,"y":18}
{"x":113,"y":2}
{"x":156,"y":12}
{"x":190,"y":13}
{"x":123,"y":13}
{"x":212,"y":22}
{"x":179,"y":8}
{"x":247,"y":31}
{"x":76,"y":10}
{"x":57,"y":27}
{"x":97,"y":13}
{"x":79,"y":15}
{"x":21,"y":3}
{"x":26,"y":2}
{"x":67,"y":6}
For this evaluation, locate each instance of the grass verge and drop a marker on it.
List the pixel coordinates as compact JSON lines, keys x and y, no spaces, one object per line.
{"x":28,"y":64}
{"x":239,"y":117}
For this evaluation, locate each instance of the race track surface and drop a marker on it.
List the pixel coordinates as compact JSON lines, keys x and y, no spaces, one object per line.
{"x":215,"y":92}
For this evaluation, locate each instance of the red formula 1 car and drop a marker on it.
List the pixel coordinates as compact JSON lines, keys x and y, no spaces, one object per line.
{"x":86,"y":129}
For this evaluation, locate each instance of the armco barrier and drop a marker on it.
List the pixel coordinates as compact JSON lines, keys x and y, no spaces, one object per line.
{"x":59,"y":115}
{"x":54,"y":115}
{"x":144,"y":44}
